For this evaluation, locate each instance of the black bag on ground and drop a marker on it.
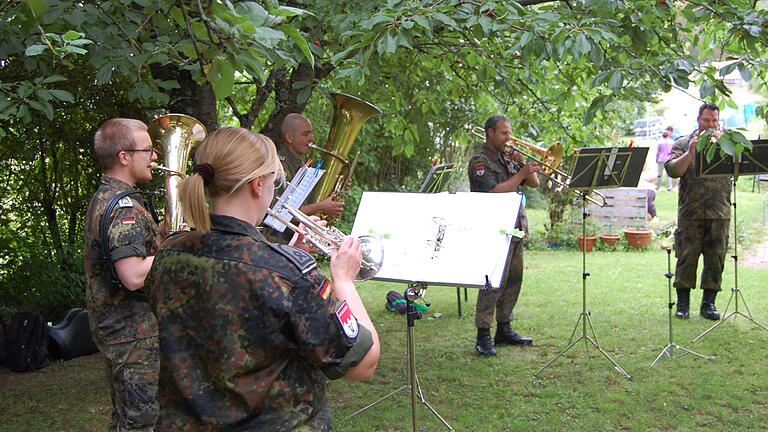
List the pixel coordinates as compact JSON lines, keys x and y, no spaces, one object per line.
{"x":26,"y":344}
{"x":396,"y":302}
{"x":71,"y":337}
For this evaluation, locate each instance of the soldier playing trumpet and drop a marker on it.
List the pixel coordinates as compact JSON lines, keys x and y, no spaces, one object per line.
{"x":703,"y":218}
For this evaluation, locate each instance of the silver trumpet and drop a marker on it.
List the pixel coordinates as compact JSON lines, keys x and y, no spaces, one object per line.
{"x":328,"y":239}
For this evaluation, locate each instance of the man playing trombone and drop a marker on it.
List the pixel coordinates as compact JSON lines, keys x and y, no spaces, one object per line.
{"x":495,"y":169}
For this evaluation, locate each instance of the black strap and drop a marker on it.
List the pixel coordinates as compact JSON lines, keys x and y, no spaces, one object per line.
{"x":104,"y":225}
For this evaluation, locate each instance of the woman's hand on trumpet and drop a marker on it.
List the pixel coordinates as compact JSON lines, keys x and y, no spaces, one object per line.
{"x":345,"y":261}
{"x":300,"y":242}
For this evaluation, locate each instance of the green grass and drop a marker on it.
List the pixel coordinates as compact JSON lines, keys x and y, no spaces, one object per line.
{"x":627,"y":300}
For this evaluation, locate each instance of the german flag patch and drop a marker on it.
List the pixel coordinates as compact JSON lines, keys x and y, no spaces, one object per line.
{"x":325,"y":289}
{"x":128,"y":220}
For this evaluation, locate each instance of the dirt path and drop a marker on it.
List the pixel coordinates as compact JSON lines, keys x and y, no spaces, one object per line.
{"x":756,"y":256}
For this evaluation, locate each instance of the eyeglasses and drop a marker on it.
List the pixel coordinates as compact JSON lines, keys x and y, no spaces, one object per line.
{"x":279,"y":180}
{"x":149,"y":150}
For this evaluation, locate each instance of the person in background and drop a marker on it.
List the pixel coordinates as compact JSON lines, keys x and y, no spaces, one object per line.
{"x":250,"y":330}
{"x":122,"y":323}
{"x":703,"y":219}
{"x":663,"y":152}
{"x":297,"y":135}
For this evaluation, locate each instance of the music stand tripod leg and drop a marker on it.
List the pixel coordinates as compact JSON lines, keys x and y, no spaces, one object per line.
{"x":413,"y":292}
{"x":584,"y":314}
{"x":671,"y":345}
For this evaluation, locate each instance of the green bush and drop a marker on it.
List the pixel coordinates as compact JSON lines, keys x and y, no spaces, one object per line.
{"x":44,"y":285}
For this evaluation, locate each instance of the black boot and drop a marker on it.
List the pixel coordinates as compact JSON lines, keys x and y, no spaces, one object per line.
{"x":484,"y":345}
{"x":683,"y":303}
{"x":506,"y":336}
{"x":708,"y":310}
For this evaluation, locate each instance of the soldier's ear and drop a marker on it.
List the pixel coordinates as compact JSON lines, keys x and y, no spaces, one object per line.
{"x":257,"y":186}
{"x":122,"y":158}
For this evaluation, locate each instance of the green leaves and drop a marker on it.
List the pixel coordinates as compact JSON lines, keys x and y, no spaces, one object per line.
{"x":222,"y":76}
{"x":731,"y":143}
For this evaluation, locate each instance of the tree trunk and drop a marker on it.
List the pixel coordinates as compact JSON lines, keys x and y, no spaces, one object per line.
{"x":191,"y":98}
{"x":287,"y":95}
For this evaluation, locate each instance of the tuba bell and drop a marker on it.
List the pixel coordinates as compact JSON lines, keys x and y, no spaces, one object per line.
{"x":349,"y":114}
{"x":174,"y":136}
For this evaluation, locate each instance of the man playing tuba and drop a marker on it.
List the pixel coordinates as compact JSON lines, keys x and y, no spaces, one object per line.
{"x":297,"y":135}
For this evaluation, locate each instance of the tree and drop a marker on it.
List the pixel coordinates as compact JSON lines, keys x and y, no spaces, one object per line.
{"x":564,"y":70}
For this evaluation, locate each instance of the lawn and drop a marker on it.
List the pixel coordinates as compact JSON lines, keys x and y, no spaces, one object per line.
{"x":627,"y":300}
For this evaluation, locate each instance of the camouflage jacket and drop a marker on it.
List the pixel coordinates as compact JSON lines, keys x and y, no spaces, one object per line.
{"x":486,"y":169}
{"x":291,"y":165}
{"x":248,"y":333}
{"x":701,"y":197}
{"x":117,"y":315}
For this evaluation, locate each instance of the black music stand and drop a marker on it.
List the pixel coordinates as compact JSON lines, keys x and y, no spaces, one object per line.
{"x":667,"y":350}
{"x":437,"y":179}
{"x":752,"y":163}
{"x":599,"y":168}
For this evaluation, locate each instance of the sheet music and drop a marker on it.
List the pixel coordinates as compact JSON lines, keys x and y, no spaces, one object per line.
{"x":440,"y":239}
{"x":296,"y":192}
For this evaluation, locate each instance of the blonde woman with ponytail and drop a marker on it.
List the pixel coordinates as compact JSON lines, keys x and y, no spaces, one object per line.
{"x":250,"y":330}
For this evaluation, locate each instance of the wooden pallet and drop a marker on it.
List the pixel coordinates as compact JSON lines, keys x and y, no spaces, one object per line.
{"x":625,"y":208}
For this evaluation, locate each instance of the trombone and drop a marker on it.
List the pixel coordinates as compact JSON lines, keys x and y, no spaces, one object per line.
{"x":550,"y":159}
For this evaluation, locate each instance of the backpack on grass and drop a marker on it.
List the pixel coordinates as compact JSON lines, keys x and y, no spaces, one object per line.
{"x":26,"y":342}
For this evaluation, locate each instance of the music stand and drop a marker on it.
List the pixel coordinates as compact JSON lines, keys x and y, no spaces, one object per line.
{"x":752,"y":163}
{"x":599,"y":168}
{"x":426,"y":245}
{"x":437,"y":179}
{"x":667,"y":350}
{"x":414,"y":292}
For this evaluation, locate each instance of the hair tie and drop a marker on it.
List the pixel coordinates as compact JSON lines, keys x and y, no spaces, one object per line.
{"x":206,"y":171}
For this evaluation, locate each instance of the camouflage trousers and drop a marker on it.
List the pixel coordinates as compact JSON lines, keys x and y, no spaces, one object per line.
{"x":132,"y":372}
{"x":696,"y":237}
{"x":502,"y":300}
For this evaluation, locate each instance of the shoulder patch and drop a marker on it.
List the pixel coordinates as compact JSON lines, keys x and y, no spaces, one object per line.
{"x":325,"y":289}
{"x":479,"y":168}
{"x":298,"y":257}
{"x":347,"y":320}
{"x":125,"y":202}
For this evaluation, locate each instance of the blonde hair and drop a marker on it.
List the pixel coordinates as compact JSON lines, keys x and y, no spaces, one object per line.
{"x":237,"y":156}
{"x":114,"y":136}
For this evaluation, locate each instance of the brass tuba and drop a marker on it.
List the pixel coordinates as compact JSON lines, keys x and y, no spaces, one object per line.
{"x":349,"y":114}
{"x":174,"y":136}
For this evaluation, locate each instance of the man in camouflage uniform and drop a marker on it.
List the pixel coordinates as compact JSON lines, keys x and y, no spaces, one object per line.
{"x":122,"y":323}
{"x":703,"y":218}
{"x":494,"y":170}
{"x":249,"y":332}
{"x":297,"y":135}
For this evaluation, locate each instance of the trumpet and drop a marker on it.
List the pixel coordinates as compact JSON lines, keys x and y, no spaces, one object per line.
{"x":550,"y":159}
{"x":328,"y":239}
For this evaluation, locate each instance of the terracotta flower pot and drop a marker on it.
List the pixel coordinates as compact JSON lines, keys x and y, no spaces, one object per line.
{"x":609,"y":239}
{"x":638,"y":238}
{"x":589,"y":242}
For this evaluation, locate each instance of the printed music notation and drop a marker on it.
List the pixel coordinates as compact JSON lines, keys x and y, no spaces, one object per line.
{"x":296,"y":192}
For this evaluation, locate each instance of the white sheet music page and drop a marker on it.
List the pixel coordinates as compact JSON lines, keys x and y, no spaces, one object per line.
{"x":440,"y":239}
{"x":296,"y":192}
